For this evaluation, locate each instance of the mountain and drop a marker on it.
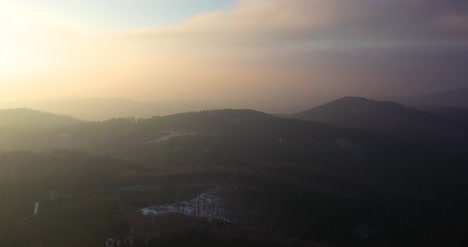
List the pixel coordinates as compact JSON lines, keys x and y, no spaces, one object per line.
{"x":454,"y":98}
{"x":385,"y":117}
{"x":218,"y":137}
{"x":99,"y":109}
{"x":226,"y":176}
{"x":27,"y":118}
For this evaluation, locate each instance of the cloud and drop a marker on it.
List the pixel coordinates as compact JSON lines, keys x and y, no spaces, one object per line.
{"x":273,"y":55}
{"x":327,"y":23}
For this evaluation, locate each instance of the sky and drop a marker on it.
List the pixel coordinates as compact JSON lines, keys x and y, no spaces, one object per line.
{"x":105,"y":15}
{"x":270,"y":55}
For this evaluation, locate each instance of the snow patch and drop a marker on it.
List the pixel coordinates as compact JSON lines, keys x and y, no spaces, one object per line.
{"x":36,"y":208}
{"x":140,"y":188}
{"x":345,"y":144}
{"x":205,"y":205}
{"x":355,"y":149}
{"x":171,"y":134}
{"x":54,"y":195}
{"x":110,"y":242}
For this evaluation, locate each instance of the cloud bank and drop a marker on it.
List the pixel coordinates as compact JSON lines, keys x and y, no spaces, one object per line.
{"x":321,"y":22}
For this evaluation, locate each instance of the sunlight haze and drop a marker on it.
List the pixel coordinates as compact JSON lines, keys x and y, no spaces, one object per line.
{"x":233,"y":123}
{"x":271,"y":55}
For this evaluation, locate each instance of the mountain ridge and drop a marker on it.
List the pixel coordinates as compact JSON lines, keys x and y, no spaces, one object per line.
{"x":29,"y":118}
{"x":385,"y":117}
{"x":452,"y":98}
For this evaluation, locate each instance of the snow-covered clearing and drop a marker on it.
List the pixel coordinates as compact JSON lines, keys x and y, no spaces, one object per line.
{"x":205,"y":205}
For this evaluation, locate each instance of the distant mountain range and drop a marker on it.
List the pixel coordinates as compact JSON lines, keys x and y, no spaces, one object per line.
{"x":27,"y":118}
{"x":99,"y":109}
{"x":352,"y":172}
{"x":453,"y":98}
{"x":387,"y":117}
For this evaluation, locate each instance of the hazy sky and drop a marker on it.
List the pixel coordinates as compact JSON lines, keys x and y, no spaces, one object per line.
{"x":271,"y":55}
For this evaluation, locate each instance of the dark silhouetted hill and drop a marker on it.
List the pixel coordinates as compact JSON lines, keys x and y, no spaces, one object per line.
{"x":385,"y":117}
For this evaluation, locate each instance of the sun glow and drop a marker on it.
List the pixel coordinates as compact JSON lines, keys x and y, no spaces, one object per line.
{"x":22,"y":56}
{"x":6,"y":54}
{"x":29,"y":39}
